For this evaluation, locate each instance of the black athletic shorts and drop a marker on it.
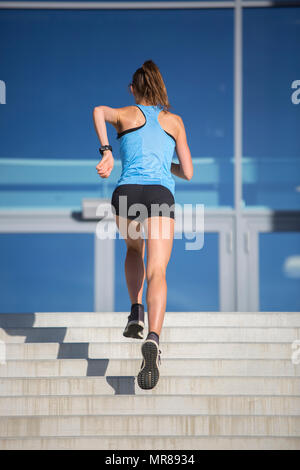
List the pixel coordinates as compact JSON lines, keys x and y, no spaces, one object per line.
{"x":151,"y":196}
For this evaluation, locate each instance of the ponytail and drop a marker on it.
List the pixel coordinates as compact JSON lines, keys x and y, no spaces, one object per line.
{"x":149,"y":85}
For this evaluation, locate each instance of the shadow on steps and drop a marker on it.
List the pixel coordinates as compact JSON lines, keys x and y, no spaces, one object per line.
{"x":21,"y":324}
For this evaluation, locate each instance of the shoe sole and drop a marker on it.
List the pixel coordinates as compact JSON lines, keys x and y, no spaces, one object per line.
{"x":149,"y":374}
{"x":134,"y":330}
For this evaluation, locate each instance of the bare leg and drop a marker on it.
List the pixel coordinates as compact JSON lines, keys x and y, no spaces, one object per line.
{"x":159,"y":238}
{"x":134,"y":263}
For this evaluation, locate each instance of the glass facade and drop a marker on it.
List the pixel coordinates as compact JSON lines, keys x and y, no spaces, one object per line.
{"x":46,"y":272}
{"x":52,"y":68}
{"x":58,"y":56}
{"x":279,"y":273}
{"x":271,"y":110}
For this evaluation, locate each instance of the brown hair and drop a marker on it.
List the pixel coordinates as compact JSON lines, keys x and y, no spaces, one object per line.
{"x":149,"y":84}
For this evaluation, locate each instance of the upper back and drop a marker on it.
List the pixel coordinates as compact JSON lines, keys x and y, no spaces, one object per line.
{"x":154,"y":126}
{"x":135,"y":117}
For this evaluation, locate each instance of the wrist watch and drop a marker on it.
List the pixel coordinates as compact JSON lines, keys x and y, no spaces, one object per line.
{"x":105,"y":147}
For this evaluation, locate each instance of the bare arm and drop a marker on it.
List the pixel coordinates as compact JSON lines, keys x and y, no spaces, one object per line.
{"x":184,"y":169}
{"x":101,"y":114}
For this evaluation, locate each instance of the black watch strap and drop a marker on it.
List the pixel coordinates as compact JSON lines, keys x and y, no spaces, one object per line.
{"x":105,"y":147}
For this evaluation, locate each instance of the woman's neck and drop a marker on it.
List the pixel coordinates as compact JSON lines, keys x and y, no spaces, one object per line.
{"x":143,"y":103}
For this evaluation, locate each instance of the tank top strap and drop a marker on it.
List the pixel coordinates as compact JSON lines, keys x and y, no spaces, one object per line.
{"x":151,"y":112}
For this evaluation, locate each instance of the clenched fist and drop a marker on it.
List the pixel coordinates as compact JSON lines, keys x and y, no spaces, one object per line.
{"x":106,"y":164}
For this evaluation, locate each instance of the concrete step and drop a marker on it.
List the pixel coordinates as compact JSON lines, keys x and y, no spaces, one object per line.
{"x":154,"y":425}
{"x":133,"y":350}
{"x":152,"y":443}
{"x":148,"y":405}
{"x":121,"y":367}
{"x":169,"y":334}
{"x":119,"y":319}
{"x":227,"y":381}
{"x":177,"y":385}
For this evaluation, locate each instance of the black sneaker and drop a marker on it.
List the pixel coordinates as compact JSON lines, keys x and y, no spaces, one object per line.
{"x":135,"y":324}
{"x":149,"y":373}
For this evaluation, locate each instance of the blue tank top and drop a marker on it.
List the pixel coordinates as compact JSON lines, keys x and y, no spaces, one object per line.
{"x":146,"y":152}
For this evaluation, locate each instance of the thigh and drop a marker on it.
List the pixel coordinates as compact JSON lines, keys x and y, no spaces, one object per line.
{"x":132,"y":232}
{"x":129,"y":225}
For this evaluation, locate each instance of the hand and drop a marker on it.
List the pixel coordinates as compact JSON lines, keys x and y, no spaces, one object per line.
{"x":106,"y":164}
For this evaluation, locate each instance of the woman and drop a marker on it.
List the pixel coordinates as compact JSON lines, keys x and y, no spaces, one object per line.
{"x":148,"y":134}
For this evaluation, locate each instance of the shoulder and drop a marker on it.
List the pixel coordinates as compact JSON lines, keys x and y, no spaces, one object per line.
{"x":127,"y":112}
{"x":178,"y":119}
{"x":115,"y":115}
{"x":175,"y":118}
{"x":180,"y":129}
{"x":127,"y":109}
{"x":176,"y":123}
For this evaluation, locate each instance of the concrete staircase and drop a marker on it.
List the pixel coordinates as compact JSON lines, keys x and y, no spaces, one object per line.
{"x":228,"y":381}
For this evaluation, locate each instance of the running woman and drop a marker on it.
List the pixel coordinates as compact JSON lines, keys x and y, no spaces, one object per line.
{"x":148,"y":134}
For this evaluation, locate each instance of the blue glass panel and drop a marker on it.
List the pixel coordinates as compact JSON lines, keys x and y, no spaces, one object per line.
{"x":279,"y":272}
{"x":46,"y":272}
{"x":52,"y":65}
{"x":271,"y":146}
{"x":49,"y":183}
{"x":192,"y":277}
